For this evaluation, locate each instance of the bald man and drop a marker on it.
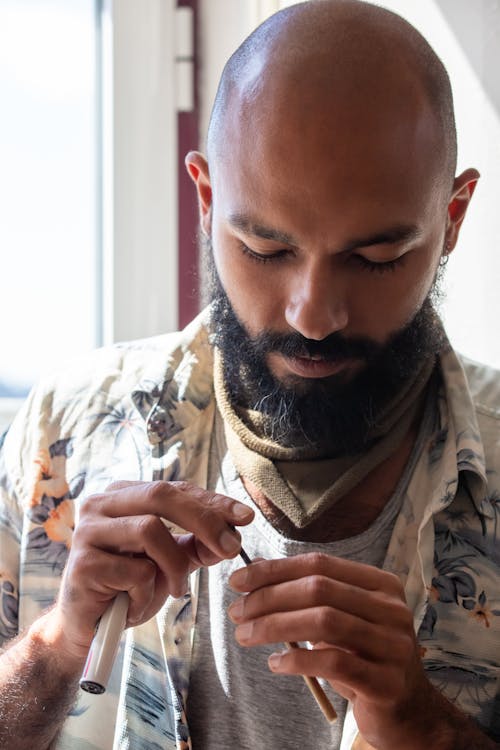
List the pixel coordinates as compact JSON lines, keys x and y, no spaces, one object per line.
{"x":316,"y":405}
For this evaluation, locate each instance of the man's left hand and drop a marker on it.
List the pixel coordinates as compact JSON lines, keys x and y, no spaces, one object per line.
{"x":364,"y":644}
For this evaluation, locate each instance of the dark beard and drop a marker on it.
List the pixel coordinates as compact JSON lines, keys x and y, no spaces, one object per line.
{"x":332,"y":415}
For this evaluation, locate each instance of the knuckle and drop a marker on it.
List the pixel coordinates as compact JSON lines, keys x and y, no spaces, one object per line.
{"x":332,"y":660}
{"x":325,"y":622}
{"x":317,"y":588}
{"x":90,"y":504}
{"x":395,"y":584}
{"x":81,"y":563}
{"x":114,"y":486}
{"x":401,"y":614}
{"x":82,"y":534}
{"x":407,"y":645}
{"x":148,"y":526}
{"x":318,"y":561}
{"x":142,"y":572}
{"x":181,"y":486}
{"x":216,"y":502}
{"x":406,"y":618}
{"x":158,"y":491}
{"x":161,"y":493}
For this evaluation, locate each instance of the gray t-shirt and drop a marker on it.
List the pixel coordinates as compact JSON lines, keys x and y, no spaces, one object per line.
{"x":234,"y":700}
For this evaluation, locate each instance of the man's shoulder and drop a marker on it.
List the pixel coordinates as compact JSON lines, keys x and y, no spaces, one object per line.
{"x":87,"y":408}
{"x":484,"y":386}
{"x":117,"y":379}
{"x":120,"y":368}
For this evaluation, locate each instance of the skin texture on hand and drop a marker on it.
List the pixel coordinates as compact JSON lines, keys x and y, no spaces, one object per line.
{"x":356,"y":618}
{"x":127,"y":539}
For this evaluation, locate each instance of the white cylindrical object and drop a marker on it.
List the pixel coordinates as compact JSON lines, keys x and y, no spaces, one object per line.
{"x":104,"y":646}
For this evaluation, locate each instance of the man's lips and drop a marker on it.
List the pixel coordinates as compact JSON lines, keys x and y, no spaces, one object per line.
{"x":316,"y":367}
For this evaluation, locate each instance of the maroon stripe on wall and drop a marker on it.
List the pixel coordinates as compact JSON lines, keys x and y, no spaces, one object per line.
{"x":188,"y":138}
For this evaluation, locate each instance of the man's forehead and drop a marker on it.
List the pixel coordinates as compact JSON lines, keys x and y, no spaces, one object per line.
{"x":336,"y":166}
{"x":277,"y":128}
{"x":330,"y":68}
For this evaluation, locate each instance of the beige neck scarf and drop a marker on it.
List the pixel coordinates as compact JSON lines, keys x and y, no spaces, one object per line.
{"x":300,"y":485}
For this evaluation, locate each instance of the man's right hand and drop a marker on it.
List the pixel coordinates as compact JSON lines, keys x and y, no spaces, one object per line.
{"x":144,"y":538}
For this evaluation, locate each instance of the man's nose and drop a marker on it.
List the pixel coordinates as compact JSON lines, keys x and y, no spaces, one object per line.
{"x":317,"y":305}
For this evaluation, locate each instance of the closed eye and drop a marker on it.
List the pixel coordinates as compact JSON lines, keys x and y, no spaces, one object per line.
{"x":369,"y":265}
{"x":379,"y":266}
{"x":263,"y":257}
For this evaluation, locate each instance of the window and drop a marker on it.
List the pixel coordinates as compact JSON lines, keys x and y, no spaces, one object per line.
{"x":88,"y":184}
{"x":47,"y":187}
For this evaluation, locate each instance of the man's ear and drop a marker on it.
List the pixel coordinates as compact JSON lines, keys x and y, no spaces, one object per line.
{"x":197,"y":167}
{"x":461,"y":194}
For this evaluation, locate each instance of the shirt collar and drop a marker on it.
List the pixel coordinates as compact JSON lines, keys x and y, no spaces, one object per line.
{"x":470,"y":458}
{"x":172,"y":388}
{"x":178,"y":381}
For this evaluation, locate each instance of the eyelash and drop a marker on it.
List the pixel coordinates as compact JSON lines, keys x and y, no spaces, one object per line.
{"x":263,"y":258}
{"x":368,"y":265}
{"x":372,"y":267}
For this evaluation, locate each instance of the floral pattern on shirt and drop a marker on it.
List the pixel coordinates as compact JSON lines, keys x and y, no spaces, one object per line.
{"x":51,"y":506}
{"x":145,"y":411}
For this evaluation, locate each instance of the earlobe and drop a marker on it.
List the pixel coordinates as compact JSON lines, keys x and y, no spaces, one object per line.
{"x":197,"y":168}
{"x":463,"y":189}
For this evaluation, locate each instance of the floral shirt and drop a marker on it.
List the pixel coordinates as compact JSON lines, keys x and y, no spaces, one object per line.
{"x":145,"y":410}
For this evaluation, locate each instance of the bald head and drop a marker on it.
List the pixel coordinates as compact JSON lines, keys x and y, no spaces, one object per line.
{"x":328,"y":67}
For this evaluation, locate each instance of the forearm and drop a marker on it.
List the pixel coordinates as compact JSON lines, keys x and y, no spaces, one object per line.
{"x":37,"y":689}
{"x":447,"y":728}
{"x":458,"y":734}
{"x":461,"y":733}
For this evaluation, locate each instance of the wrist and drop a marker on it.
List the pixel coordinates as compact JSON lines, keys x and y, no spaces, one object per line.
{"x":48,"y":636}
{"x":440,"y":725}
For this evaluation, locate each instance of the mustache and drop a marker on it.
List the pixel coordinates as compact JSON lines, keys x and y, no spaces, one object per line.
{"x":333,"y":348}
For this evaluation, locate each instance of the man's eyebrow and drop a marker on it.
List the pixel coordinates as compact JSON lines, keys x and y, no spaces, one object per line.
{"x":389,"y":236}
{"x":252,"y":228}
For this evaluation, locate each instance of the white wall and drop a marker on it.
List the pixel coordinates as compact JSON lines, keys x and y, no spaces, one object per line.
{"x":140,"y":170}
{"x":466,"y":35}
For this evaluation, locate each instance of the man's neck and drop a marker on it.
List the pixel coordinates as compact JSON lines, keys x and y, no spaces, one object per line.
{"x":357,"y":510}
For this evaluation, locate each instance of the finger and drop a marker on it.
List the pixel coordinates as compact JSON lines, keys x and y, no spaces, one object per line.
{"x":268,"y":572}
{"x":318,"y":590}
{"x":199,"y":554}
{"x":121,"y":483}
{"x":350,"y":675}
{"x":92,"y":581}
{"x":339,"y":629}
{"x":144,"y":536}
{"x":184,"y":506}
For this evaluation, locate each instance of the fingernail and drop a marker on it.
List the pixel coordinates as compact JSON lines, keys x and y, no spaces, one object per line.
{"x":274,"y":661}
{"x":241,"y":512}
{"x":243,"y":632}
{"x":229,"y":542}
{"x":235,"y":611}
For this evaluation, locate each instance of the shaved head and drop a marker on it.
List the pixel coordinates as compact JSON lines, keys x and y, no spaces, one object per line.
{"x":329,"y":198}
{"x":316,"y":64}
